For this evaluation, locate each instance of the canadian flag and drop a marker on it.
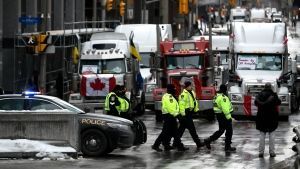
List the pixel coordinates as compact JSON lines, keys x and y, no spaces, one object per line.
{"x":94,"y":85}
{"x":249,"y":108}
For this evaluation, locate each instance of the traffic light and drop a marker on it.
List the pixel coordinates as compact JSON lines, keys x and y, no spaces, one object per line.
{"x":41,"y":42}
{"x":183,"y":7}
{"x":31,"y":42}
{"x":232,"y":3}
{"x":109,"y":5}
{"x":122,"y":7}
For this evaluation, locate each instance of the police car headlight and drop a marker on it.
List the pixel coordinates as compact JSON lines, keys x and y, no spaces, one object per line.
{"x":283,"y":98}
{"x":119,"y":126}
{"x":236,"y":97}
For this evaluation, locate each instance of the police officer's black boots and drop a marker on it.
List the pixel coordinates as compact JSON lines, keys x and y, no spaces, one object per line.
{"x":168,"y":148}
{"x":156,"y":148}
{"x":228,"y":148}
{"x":181,"y":147}
{"x":200,"y":144}
{"x":207,"y":143}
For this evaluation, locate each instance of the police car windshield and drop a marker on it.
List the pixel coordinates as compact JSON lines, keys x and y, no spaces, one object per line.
{"x":183,"y":62}
{"x":270,"y":62}
{"x":104,"y":66}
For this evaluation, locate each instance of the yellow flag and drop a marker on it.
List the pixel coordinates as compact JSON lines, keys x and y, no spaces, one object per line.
{"x":133,"y":51}
{"x":75,"y":55}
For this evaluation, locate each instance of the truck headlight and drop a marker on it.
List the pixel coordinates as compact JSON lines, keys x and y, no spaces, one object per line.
{"x":283,"y":98}
{"x":75,"y":96}
{"x":236,"y":97}
{"x":149,"y":88}
{"x":119,"y":126}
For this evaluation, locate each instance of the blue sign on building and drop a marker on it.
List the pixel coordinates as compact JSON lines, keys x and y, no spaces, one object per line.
{"x":27,"y":20}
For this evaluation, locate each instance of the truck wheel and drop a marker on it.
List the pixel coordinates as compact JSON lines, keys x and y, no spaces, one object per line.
{"x":93,"y":142}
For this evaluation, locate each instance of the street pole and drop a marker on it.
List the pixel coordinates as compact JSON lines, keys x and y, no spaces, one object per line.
{"x":103,"y":11}
{"x":43,"y":68}
{"x":210,"y":54}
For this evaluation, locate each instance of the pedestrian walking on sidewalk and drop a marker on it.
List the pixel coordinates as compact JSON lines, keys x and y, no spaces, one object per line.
{"x":170,"y":110}
{"x":188,"y":106}
{"x":223,"y":110}
{"x":267,"y":103}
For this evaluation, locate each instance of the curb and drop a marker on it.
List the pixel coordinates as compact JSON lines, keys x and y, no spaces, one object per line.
{"x":32,"y":155}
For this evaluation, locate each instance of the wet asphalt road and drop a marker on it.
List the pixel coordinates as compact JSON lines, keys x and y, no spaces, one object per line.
{"x":245,"y":138}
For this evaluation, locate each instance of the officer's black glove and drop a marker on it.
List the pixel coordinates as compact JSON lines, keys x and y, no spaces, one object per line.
{"x":180,"y":117}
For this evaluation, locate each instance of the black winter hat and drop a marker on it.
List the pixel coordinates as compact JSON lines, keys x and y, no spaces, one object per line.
{"x":187,"y":84}
{"x":170,"y":88}
{"x":223,"y":88}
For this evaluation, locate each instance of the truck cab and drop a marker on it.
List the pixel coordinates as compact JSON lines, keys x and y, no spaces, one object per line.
{"x":147,"y":37}
{"x":256,"y":61}
{"x":182,"y":61}
{"x":105,"y":61}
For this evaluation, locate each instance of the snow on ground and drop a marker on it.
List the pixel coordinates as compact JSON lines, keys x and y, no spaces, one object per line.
{"x":43,"y":150}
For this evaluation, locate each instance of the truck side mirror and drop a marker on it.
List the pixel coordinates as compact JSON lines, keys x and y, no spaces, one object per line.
{"x":152,"y":59}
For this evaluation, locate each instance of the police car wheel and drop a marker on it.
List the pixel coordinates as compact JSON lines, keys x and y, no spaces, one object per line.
{"x":93,"y":142}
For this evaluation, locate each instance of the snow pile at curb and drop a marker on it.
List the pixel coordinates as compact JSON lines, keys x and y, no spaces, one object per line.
{"x":44,"y":150}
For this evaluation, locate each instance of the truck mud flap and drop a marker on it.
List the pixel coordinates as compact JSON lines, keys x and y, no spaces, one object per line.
{"x":140,"y":132}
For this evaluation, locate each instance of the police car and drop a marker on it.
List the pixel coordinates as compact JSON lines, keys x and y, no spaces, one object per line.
{"x":98,"y":134}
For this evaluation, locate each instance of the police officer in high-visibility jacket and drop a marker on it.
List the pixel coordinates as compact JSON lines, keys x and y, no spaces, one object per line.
{"x":223,"y":110}
{"x":112,"y":102}
{"x":170,"y":110}
{"x":188,"y":105}
{"x":124,"y":106}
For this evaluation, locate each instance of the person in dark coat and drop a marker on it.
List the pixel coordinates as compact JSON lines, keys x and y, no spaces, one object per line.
{"x":267,"y":103}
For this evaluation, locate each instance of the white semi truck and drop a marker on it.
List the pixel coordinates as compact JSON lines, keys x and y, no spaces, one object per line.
{"x":147,"y":38}
{"x":238,"y":14}
{"x":259,"y":55}
{"x":220,"y":49}
{"x":105,"y":61}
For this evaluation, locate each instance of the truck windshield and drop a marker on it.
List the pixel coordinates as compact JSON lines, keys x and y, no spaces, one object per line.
{"x":259,"y":62}
{"x":182,"y":62}
{"x":238,"y":17}
{"x":145,"y":60}
{"x":107,"y":66}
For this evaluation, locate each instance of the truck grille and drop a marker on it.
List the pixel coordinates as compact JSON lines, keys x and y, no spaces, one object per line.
{"x":253,"y":90}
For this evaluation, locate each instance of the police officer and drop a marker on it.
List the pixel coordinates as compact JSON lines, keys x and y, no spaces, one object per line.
{"x":112,"y":102}
{"x":124,"y":106}
{"x":188,"y":105}
{"x":170,"y":109}
{"x":223,"y":109}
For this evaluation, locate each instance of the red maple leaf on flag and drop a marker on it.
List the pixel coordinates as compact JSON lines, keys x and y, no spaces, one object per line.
{"x":97,"y":85}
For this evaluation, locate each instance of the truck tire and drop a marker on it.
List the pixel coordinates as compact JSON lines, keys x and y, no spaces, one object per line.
{"x":93,"y":142}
